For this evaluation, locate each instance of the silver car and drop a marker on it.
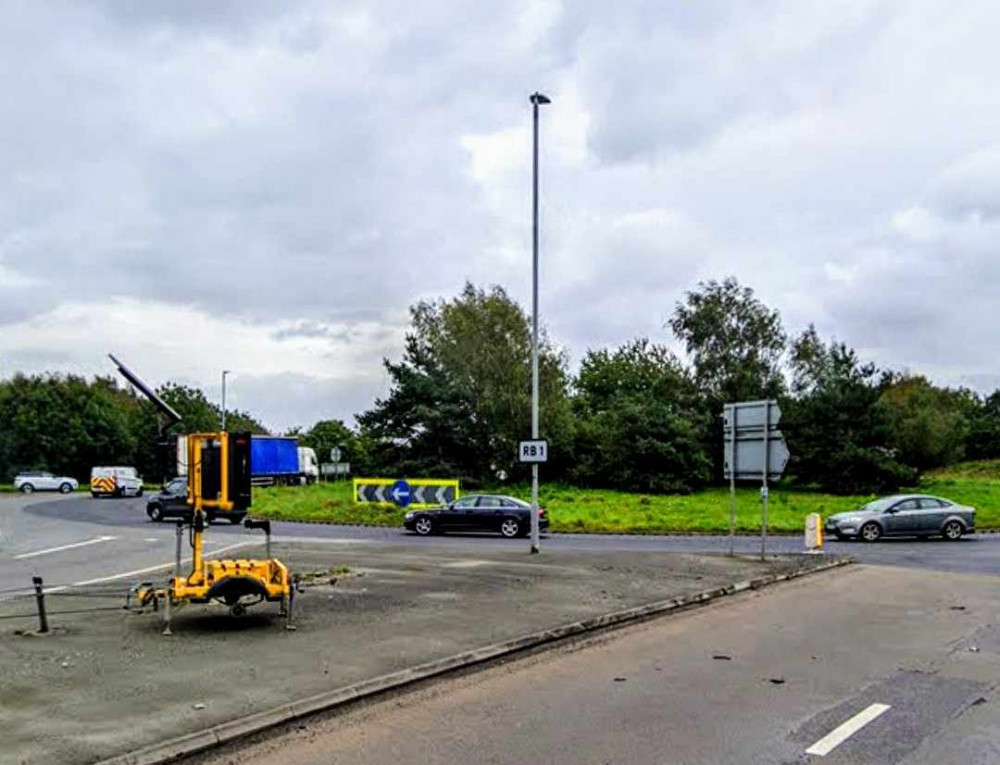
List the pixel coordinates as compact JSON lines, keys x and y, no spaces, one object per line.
{"x":38,"y":480}
{"x":904,"y":515}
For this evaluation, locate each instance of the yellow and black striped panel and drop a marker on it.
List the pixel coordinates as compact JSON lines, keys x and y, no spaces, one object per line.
{"x":104,"y":485}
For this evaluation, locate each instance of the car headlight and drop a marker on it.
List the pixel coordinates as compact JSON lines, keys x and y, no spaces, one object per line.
{"x":409,"y":515}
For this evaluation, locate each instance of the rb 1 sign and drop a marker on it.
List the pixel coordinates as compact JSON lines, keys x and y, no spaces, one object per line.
{"x":533,"y":451}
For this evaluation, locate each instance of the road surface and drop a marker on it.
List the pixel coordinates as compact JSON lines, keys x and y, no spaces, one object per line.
{"x":866,"y":666}
{"x":74,"y":539}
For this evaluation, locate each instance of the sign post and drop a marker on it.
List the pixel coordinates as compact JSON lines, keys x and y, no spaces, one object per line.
{"x":732,"y":483}
{"x":754,"y":449}
{"x":534,"y":452}
{"x":763,"y":475}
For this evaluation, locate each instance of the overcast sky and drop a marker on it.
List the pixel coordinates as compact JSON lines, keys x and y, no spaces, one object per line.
{"x":267,"y":186}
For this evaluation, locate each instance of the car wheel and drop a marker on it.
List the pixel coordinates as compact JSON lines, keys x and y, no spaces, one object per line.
{"x":139,"y":493}
{"x":952,"y":531}
{"x":871,"y":532}
{"x":155,"y":513}
{"x":424,"y":526}
{"x":510,"y":527}
{"x":27,"y":488}
{"x":94,"y":494}
{"x":65,"y":488}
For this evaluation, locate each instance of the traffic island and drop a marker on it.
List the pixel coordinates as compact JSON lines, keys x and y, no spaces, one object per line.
{"x":106,"y":683}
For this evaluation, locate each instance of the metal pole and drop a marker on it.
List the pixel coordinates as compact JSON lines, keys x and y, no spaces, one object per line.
{"x":536,"y":99}
{"x":767,"y":469}
{"x":43,"y":621}
{"x":224,"y":373}
{"x":166,"y":614}
{"x":732,"y":482}
{"x":177,"y":559}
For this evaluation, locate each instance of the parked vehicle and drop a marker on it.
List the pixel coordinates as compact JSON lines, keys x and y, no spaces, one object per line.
{"x":908,"y":515}
{"x":115,"y":482}
{"x":38,"y":480}
{"x":508,"y":516}
{"x":273,"y":460}
{"x":171,"y":502}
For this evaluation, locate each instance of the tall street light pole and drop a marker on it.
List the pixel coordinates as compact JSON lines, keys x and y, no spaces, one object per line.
{"x":224,"y":373}
{"x":537,"y":99}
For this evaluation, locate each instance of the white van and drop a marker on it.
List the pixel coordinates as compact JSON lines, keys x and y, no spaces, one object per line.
{"x":115,"y":482}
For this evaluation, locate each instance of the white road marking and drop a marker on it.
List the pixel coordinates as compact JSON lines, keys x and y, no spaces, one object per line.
{"x":151,"y":569}
{"x":468,"y":564}
{"x":323,"y":540}
{"x":93,"y":541}
{"x":841,"y":733}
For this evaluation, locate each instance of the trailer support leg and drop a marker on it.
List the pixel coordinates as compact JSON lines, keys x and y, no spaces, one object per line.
{"x":166,"y":614}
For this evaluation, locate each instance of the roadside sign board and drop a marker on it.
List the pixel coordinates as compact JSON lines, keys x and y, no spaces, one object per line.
{"x":747,"y":440}
{"x":749,"y":456}
{"x":753,"y":450}
{"x":749,"y":415}
{"x":335,"y":454}
{"x":335,"y":468}
{"x":405,"y":492}
{"x":533,"y":451}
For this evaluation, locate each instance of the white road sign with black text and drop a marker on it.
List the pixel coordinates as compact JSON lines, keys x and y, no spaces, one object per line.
{"x":533,"y":451}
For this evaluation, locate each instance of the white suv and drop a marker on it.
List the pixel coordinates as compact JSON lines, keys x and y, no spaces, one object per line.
{"x":37,"y":480}
{"x":115,"y":482}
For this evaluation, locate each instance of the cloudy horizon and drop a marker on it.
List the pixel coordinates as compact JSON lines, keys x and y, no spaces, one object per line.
{"x":267,"y":188}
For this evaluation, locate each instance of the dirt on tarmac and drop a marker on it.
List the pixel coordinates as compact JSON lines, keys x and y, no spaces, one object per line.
{"x":105,"y":682}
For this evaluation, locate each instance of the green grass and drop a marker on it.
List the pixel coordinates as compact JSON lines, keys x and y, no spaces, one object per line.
{"x":595,"y":511}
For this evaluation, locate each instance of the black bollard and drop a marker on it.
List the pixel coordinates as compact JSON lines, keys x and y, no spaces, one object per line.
{"x":43,"y":622}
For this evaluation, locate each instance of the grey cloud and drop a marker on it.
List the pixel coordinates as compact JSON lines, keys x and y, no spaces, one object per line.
{"x":301,"y":164}
{"x":287,"y":400}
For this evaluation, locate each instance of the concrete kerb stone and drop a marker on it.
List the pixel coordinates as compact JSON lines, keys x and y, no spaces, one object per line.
{"x":223,"y":733}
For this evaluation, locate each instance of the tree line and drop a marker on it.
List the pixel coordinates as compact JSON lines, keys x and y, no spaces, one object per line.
{"x":637,"y":417}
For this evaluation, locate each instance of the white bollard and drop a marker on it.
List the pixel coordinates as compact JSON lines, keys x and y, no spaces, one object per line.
{"x":814,"y":533}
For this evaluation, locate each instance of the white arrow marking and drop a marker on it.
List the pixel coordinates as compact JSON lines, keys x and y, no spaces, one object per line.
{"x":94,"y":541}
{"x":439,"y":495}
{"x":380,"y":494}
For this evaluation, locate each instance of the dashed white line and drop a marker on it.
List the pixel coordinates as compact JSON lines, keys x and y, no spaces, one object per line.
{"x":94,"y":541}
{"x":841,"y":733}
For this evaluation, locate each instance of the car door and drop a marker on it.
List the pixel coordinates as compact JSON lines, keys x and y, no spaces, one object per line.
{"x":456,"y":516}
{"x":903,"y":517}
{"x":47,"y":481}
{"x":175,"y":503}
{"x":932,"y":512}
{"x":489,"y":511}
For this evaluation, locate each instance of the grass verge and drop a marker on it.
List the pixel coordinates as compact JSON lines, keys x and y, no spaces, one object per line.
{"x":601,"y":511}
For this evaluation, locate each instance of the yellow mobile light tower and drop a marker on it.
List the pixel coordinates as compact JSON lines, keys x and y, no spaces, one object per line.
{"x":218,"y":479}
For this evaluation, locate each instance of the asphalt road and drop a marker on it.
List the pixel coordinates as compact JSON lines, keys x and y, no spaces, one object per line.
{"x":865,"y":666}
{"x":75,"y":539}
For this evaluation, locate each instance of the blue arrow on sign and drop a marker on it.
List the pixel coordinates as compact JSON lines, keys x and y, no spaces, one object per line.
{"x":401,"y":493}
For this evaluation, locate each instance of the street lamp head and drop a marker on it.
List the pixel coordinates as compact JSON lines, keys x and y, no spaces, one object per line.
{"x":539,"y":98}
